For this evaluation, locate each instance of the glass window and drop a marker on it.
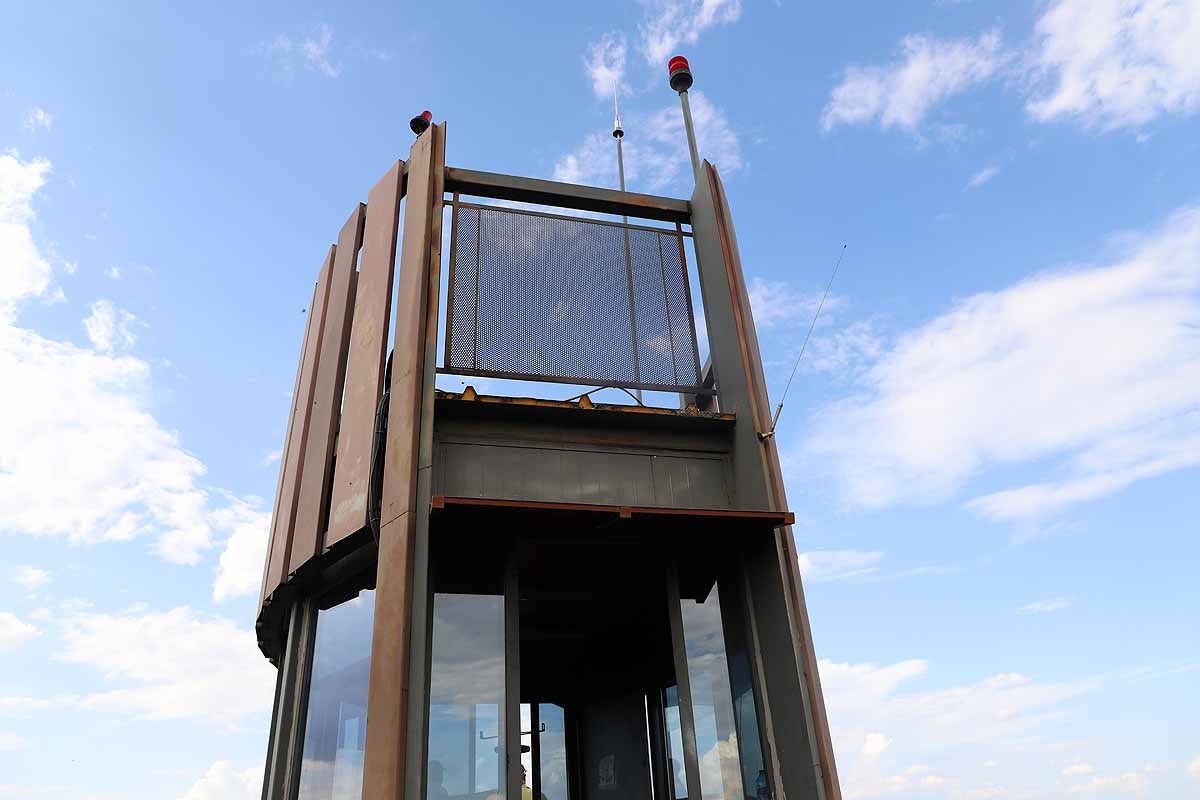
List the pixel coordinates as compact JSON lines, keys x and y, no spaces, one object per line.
{"x":336,"y":721}
{"x":712,"y":702}
{"x":552,"y":739}
{"x":676,"y":766}
{"x":745,"y":712}
{"x":466,"y":698}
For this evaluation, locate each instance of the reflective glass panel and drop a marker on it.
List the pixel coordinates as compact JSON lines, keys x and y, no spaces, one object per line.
{"x":466,"y":698}
{"x":553,"y":756}
{"x":676,"y":766}
{"x":745,"y":712}
{"x":336,"y":721}
{"x":712,"y":702}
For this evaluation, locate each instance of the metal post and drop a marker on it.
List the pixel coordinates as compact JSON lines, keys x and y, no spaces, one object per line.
{"x":681,"y":80}
{"x":619,"y":134}
{"x":691,"y":134}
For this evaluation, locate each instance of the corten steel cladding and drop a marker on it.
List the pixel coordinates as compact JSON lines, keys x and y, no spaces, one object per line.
{"x":547,"y":297}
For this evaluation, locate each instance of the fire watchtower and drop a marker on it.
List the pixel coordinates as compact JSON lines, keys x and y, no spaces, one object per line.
{"x":475,"y":597}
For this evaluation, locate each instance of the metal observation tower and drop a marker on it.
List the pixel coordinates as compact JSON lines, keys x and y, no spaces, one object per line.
{"x":480,"y":597}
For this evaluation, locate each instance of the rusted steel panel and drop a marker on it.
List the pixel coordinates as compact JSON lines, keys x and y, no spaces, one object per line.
{"x":365,"y":363}
{"x":566,"y":195}
{"x":399,"y":474}
{"x":383,"y":760}
{"x":326,"y":397}
{"x":287,"y":442}
{"x":388,"y":723}
{"x":761,"y":414}
{"x":281,"y":529}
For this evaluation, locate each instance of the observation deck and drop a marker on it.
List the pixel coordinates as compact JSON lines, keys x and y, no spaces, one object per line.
{"x":531,"y":533}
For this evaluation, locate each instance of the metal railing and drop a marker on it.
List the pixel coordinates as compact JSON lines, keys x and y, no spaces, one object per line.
{"x":546,"y":297}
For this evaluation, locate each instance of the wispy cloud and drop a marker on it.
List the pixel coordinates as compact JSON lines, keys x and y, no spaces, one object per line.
{"x":225,"y":781}
{"x":1047,"y":605}
{"x":39,"y":119}
{"x":1090,"y":371}
{"x":836,"y":565}
{"x":1116,"y":65}
{"x":983,"y":176}
{"x":31,"y":577}
{"x":656,"y":156}
{"x":893,"y":739}
{"x":605,"y":63}
{"x":14,"y":632}
{"x":239,"y":570}
{"x":315,"y":51}
{"x":109,"y":328}
{"x":672,"y":23}
{"x":1107,"y":65}
{"x":903,"y":93}
{"x":175,"y":664}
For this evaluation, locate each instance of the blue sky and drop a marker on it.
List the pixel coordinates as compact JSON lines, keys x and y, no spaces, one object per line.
{"x":991,"y":445}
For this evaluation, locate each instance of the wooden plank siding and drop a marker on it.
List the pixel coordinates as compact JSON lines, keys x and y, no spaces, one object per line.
{"x":289,"y":485}
{"x":367,"y":358}
{"x":384,"y":765}
{"x":327,"y":397}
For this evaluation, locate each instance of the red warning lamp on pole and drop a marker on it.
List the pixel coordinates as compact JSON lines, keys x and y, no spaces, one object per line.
{"x":680,"y":75}
{"x":421,"y":122}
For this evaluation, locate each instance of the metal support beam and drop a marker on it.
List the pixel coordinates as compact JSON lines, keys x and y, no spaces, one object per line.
{"x":388,"y":717}
{"x":566,"y":195}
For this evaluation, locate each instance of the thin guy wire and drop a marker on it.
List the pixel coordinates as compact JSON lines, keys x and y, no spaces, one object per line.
{"x":820,"y":305}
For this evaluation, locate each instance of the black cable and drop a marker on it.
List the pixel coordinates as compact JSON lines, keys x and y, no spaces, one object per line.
{"x":378,"y":446}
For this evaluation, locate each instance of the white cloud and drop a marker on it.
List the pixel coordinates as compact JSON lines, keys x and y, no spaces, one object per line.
{"x":39,"y":118}
{"x":25,"y":272}
{"x":776,"y":303}
{"x":983,"y":176}
{"x":887,"y":737}
{"x":81,"y":456}
{"x":239,"y":572}
{"x":224,"y":781}
{"x":14,"y":632}
{"x":1078,"y":768}
{"x":605,"y":63}
{"x":1046,"y":606}
{"x":109,"y":328}
{"x":1093,"y":371}
{"x":32,"y":577}
{"x":671,"y":23}
{"x":834,"y":565}
{"x":904,"y":92}
{"x":11,"y":741}
{"x":114,"y":273}
{"x":1117,"y":63}
{"x":1194,"y":768}
{"x":171,"y":665}
{"x":655,"y":149}
{"x":874,"y":743}
{"x":315,"y":52}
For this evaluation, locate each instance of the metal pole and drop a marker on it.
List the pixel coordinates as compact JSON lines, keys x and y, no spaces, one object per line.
{"x":619,"y":134}
{"x":691,"y":134}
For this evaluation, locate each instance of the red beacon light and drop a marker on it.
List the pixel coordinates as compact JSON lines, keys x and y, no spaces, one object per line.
{"x":420,"y":123}
{"x":680,"y":74}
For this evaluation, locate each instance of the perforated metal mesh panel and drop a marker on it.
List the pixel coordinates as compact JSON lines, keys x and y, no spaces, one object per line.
{"x":564,"y":299}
